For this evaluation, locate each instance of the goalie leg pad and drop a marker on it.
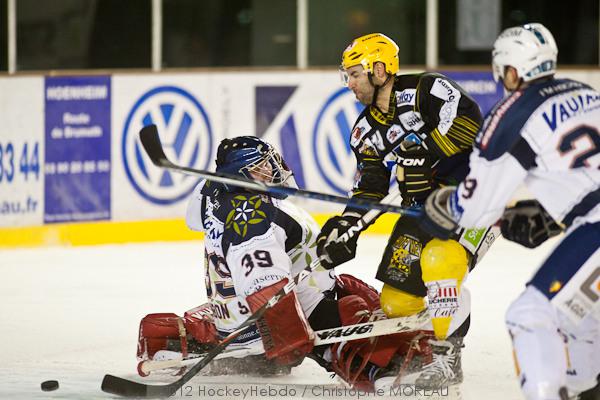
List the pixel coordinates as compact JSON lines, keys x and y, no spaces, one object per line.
{"x":156,"y":331}
{"x":168,"y":331}
{"x":357,"y":361}
{"x":347,"y":284}
{"x":200,"y":324}
{"x":286,"y":334}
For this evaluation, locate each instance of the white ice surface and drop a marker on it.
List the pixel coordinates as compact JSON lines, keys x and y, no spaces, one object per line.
{"x":72,"y":314}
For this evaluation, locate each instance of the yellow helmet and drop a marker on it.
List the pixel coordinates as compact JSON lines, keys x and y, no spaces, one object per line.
{"x":369,"y":49}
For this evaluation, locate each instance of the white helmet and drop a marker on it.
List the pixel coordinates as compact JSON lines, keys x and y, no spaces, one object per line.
{"x":530,"y":49}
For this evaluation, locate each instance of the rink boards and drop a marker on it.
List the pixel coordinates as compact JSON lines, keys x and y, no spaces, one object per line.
{"x":72,"y":170}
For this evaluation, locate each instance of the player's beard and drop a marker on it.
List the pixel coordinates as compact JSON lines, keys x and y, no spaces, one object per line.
{"x":365,"y":96}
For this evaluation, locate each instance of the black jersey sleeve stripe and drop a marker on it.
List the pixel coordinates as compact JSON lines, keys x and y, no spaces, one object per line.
{"x":292,"y":228}
{"x":524,"y":154}
{"x":589,"y":202}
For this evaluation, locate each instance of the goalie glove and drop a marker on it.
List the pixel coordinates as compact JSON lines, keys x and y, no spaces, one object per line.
{"x":528,"y":224}
{"x":332,"y":252}
{"x":414,"y":172}
{"x":437,"y":219}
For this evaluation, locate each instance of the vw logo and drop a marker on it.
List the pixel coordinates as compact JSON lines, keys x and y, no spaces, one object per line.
{"x":186,"y":136}
{"x":331,"y":140}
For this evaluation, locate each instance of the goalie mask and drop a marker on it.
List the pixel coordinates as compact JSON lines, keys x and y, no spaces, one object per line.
{"x":253,"y":158}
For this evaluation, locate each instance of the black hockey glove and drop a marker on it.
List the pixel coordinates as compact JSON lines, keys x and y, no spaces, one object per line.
{"x":331,"y":252}
{"x":436,"y":218}
{"x":528,"y":224}
{"x":414,"y":172}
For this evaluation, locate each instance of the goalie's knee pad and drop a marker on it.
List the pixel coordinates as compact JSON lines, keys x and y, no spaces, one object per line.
{"x":398,"y":303}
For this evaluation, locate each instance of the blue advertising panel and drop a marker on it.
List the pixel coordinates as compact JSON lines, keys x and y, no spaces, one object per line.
{"x":480,"y":85}
{"x":78,"y":149}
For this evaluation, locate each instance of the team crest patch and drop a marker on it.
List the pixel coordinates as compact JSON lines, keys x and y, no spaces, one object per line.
{"x":406,"y":252}
{"x":357,"y":133}
{"x":394,"y":133}
{"x":367,"y":149}
{"x":245,"y":212}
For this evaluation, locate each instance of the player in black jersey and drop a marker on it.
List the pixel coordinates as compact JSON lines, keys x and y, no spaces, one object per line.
{"x":425,"y":125}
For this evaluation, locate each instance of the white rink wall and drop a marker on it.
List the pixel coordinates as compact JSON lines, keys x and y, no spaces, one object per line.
{"x":69,"y":150}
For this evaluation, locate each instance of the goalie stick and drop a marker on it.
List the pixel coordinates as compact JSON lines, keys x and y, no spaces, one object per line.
{"x":127,"y":388}
{"x":151,"y":141}
{"x":326,"y":336}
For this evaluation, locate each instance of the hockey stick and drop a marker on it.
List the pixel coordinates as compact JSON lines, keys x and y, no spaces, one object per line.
{"x":322,"y":337}
{"x":151,"y":142}
{"x":127,"y":388}
{"x":124,"y":387}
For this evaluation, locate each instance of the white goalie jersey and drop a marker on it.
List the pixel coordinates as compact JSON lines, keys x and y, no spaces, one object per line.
{"x":550,"y":140}
{"x":253,"y":241}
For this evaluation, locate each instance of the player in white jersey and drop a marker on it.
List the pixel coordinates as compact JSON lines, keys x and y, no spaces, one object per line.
{"x":545,"y":134}
{"x":254,"y":244}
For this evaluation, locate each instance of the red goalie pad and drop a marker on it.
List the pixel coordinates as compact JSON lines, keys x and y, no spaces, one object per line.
{"x":199,"y":323}
{"x":346,"y":285}
{"x":350,"y":359}
{"x":287,"y":337}
{"x":168,"y":331}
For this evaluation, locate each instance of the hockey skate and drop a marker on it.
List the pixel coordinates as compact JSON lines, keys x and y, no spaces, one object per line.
{"x":445,"y":367}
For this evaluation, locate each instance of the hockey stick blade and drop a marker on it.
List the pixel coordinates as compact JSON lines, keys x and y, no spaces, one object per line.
{"x":151,"y":141}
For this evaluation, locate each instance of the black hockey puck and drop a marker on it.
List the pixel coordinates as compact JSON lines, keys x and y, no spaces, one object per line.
{"x":49,"y":386}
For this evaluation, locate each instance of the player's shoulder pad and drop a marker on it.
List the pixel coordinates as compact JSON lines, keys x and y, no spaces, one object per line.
{"x":407,"y":81}
{"x":430,"y":82}
{"x":427,"y":80}
{"x":501,"y":129}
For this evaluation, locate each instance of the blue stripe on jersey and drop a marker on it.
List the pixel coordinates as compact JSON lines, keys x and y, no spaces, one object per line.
{"x":589,"y":202}
{"x":502,"y":127}
{"x":250,"y":334}
{"x":566,"y":259}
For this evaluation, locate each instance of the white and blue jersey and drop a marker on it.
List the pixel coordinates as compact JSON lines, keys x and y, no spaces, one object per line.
{"x":547,"y":137}
{"x":253,"y":241}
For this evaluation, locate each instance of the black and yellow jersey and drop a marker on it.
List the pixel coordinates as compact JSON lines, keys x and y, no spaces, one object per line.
{"x":427,"y":108}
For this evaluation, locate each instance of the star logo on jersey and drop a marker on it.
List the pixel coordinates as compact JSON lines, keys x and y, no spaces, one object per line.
{"x":245,"y":212}
{"x":186,"y":136}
